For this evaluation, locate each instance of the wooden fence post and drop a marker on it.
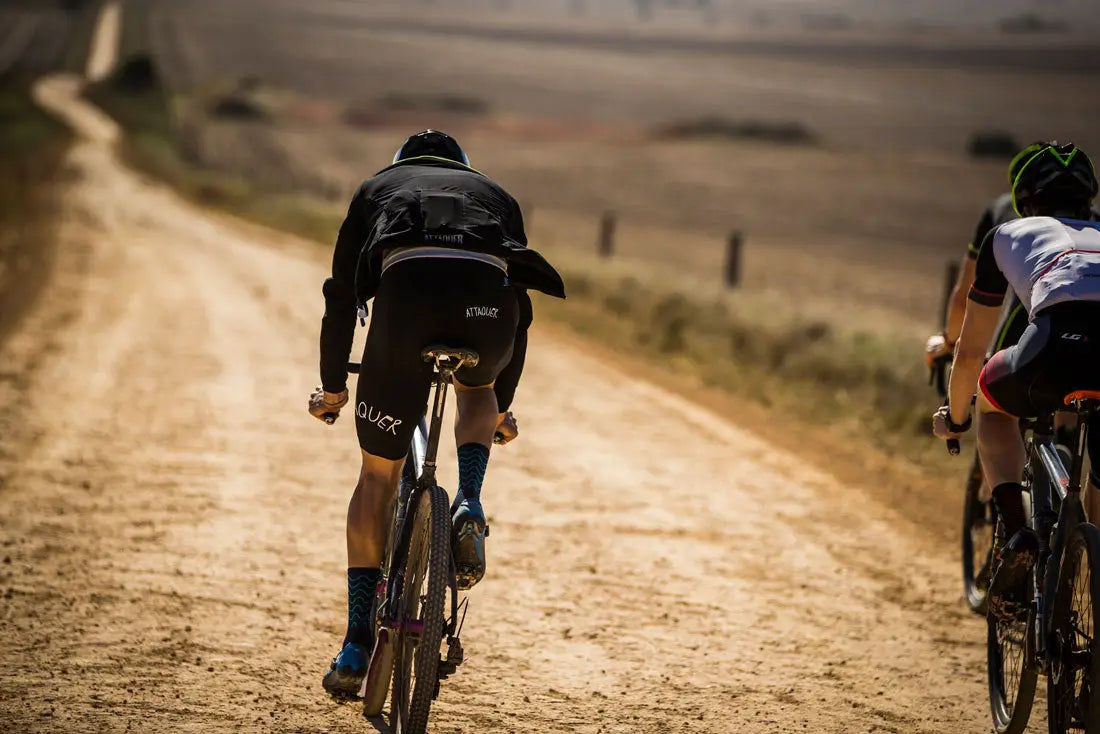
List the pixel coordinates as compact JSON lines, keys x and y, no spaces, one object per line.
{"x":606,"y":245}
{"x":733,"y":259}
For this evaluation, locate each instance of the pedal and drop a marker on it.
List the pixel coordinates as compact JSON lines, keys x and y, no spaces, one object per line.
{"x":455,"y":656}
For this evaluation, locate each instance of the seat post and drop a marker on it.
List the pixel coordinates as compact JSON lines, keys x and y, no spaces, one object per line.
{"x":435,"y":425}
{"x":446,"y":361}
{"x":1084,"y":413}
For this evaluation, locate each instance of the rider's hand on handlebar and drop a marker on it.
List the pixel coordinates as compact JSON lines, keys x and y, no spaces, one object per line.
{"x":507,"y":429}
{"x":939,"y":424}
{"x":936,"y":349}
{"x":325,"y":406}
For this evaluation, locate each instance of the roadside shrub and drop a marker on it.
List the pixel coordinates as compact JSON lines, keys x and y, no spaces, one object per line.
{"x":716,"y":127}
{"x":237,"y":106}
{"x":992,"y":144}
{"x":827,"y":21}
{"x":455,"y":103}
{"x":137,"y":75}
{"x":1031,"y":23}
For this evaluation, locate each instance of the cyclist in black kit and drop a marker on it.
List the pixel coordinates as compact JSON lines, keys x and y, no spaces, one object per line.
{"x":1013,"y":317}
{"x":442,"y":250}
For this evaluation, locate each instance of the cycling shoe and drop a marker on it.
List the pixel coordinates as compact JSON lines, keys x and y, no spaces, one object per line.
{"x":468,"y":543}
{"x":1009,"y":594}
{"x":349,"y":668}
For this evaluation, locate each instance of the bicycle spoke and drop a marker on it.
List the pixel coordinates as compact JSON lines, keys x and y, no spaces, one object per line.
{"x":1012,"y":638}
{"x":1079,"y":656}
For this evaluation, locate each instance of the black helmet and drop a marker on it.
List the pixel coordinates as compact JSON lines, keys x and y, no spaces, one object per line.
{"x":1057,"y":175}
{"x":432,"y":143}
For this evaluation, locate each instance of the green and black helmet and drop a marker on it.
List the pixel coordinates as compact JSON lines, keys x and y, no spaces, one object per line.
{"x":1056,"y":175}
{"x":1021,"y":158}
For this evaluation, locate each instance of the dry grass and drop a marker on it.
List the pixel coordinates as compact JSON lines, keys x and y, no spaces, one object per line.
{"x":754,"y":346}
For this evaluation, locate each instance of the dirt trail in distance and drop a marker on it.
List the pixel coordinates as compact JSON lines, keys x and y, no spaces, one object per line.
{"x":171,"y":522}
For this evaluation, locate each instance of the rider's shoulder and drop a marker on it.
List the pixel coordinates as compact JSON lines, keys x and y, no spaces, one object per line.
{"x":1029,"y":228}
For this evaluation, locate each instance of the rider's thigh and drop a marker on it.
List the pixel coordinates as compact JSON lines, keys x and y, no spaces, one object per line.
{"x":1006,"y":382}
{"x":394,"y":381}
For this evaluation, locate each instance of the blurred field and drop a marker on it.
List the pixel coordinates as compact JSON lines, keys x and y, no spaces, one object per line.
{"x":567,"y":109}
{"x":40,"y":36}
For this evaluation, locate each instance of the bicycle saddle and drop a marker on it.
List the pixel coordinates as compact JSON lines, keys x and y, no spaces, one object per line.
{"x":450,"y":356}
{"x":1082,"y":395}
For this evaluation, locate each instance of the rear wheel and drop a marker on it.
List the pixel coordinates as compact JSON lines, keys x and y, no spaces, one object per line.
{"x":1073,"y":698}
{"x":421,"y":614}
{"x":1011,"y":668}
{"x":979,"y":521}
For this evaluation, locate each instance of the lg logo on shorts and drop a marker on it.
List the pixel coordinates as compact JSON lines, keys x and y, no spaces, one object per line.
{"x":376,"y":417}
{"x":488,"y":312}
{"x":1075,"y":337}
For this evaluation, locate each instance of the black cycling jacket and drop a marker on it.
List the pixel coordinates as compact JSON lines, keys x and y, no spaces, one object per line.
{"x":426,"y":201}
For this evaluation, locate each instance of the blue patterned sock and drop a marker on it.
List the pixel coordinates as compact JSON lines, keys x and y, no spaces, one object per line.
{"x":473,"y":458}
{"x":362,"y":584}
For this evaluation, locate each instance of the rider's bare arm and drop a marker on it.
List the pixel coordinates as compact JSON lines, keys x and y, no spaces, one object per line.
{"x":957,"y":305}
{"x":982,"y":313}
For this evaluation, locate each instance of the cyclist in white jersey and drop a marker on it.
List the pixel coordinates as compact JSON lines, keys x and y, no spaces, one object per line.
{"x":1051,"y":259}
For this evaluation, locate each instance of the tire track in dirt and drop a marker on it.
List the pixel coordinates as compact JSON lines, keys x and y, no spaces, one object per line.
{"x":173,"y":522}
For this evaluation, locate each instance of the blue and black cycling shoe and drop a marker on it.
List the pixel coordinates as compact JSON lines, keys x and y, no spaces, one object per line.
{"x":468,"y":543}
{"x":349,"y":668}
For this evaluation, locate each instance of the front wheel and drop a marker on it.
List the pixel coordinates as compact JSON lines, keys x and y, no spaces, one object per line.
{"x":1010,"y":660}
{"x":420,"y":620}
{"x":1073,"y":701}
{"x":979,"y":521}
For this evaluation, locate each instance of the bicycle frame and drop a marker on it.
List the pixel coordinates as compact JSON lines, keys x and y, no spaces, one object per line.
{"x":425,"y":449}
{"x":1045,"y":466}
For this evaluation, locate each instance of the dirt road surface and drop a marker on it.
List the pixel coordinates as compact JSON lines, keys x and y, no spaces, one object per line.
{"x":171,"y":522}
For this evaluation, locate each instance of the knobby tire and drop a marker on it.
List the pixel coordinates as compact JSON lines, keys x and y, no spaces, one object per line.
{"x":1010,"y":663}
{"x":1073,"y":698}
{"x":979,"y":520}
{"x":416,"y":662}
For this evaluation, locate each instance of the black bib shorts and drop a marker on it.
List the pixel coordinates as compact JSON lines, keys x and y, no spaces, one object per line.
{"x":422,"y":302}
{"x":1059,"y":353}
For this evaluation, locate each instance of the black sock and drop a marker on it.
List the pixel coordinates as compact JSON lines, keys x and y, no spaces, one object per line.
{"x":1008,"y":498}
{"x":362,"y":585}
{"x":473,"y":459}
